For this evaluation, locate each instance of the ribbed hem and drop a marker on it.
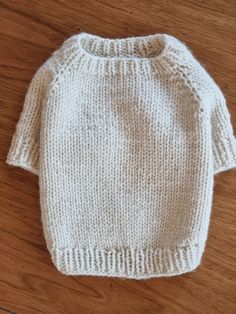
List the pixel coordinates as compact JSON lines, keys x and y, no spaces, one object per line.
{"x":24,"y":154}
{"x":128,"y":262}
{"x":224,"y":153}
{"x":23,"y":165}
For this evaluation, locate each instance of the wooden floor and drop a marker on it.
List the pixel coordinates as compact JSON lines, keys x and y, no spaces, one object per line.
{"x":29,"y":32}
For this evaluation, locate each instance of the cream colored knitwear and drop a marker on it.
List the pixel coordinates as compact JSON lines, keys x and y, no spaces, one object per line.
{"x":125,"y":135}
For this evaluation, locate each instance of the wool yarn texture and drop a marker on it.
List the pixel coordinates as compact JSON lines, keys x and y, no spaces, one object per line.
{"x":125,"y":136}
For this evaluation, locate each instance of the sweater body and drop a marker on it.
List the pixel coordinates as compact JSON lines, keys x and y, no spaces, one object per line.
{"x":128,"y":152}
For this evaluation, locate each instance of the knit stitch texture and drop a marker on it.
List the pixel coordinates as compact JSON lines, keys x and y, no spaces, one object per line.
{"x":125,"y":136}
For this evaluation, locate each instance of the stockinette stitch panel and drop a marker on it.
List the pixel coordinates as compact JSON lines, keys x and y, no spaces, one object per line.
{"x":125,"y":136}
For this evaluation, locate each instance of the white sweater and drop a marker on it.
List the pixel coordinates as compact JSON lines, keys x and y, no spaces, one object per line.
{"x":125,"y":135}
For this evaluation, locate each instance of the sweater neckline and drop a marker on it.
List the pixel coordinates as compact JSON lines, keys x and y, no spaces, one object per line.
{"x":143,"y":54}
{"x":133,"y":47}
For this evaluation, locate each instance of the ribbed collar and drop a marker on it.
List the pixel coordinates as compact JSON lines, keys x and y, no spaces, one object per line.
{"x":145,"y":54}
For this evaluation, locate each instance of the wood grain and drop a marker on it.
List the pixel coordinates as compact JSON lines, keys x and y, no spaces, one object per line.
{"x":29,"y":32}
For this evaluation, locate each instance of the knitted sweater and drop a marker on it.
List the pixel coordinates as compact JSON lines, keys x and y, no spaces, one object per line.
{"x":125,"y":136}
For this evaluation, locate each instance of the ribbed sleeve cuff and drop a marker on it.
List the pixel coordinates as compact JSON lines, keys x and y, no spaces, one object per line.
{"x":24,"y":154}
{"x":224,"y":153}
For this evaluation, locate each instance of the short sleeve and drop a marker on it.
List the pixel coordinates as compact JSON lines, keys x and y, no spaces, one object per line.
{"x":204,"y":87}
{"x":24,"y":150}
{"x":223,"y":138}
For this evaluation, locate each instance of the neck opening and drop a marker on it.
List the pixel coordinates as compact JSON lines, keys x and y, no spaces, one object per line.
{"x":127,"y":48}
